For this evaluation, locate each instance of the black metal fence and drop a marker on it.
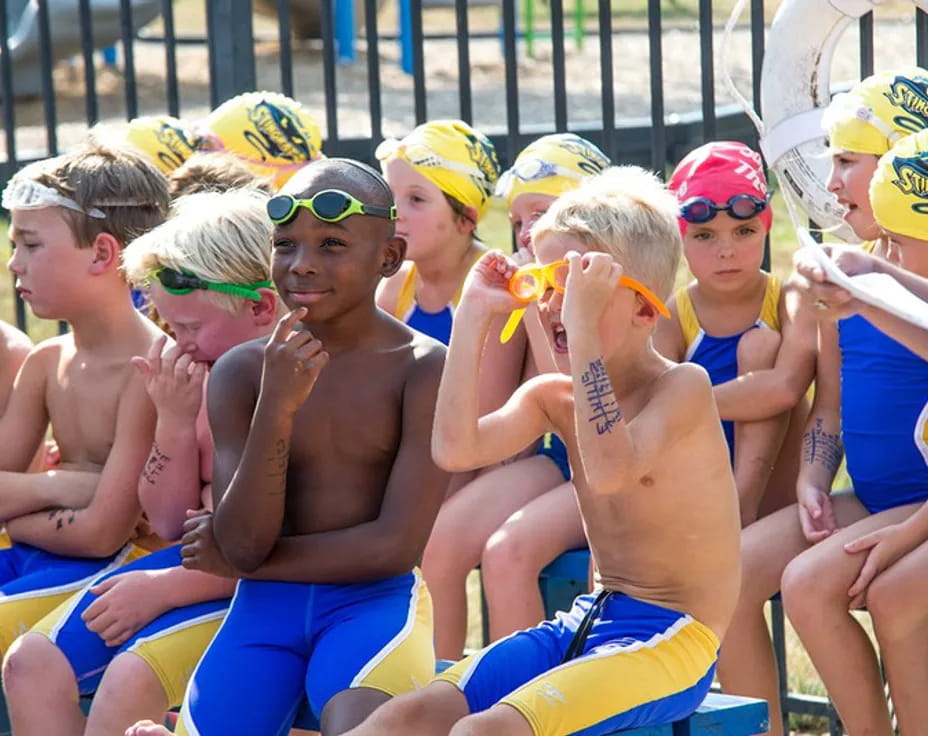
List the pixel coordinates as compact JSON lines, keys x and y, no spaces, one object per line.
{"x":69,"y":96}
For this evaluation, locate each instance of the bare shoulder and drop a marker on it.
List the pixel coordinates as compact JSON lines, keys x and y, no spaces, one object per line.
{"x":790,"y":299}
{"x":687,"y":385}
{"x":13,"y":342}
{"x":239,"y":365}
{"x":428,"y":358}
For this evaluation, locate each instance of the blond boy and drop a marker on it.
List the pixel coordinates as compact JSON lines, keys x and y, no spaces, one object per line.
{"x":71,"y":216}
{"x":651,"y":472}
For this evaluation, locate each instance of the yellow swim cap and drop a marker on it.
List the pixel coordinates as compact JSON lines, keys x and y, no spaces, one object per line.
{"x":165,"y":140}
{"x":553,"y":164}
{"x":878,"y":111}
{"x":453,"y":156}
{"x":273,"y":135}
{"x":899,"y":188}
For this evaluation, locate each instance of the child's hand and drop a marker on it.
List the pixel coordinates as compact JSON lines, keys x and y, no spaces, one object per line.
{"x":173,"y":381}
{"x":831,"y":302}
{"x":293,"y":361}
{"x":487,"y":284}
{"x":200,"y":551}
{"x":884,"y":547}
{"x":816,"y":515}
{"x":125,"y":603}
{"x":591,"y":282}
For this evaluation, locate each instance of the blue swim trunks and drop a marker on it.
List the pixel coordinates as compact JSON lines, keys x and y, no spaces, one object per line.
{"x":640,"y":665}
{"x":33,"y":582}
{"x":553,"y":447}
{"x":172,"y":644}
{"x":281,"y":642}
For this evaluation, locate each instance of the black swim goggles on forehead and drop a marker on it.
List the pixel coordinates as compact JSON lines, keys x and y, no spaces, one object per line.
{"x":741,"y":207}
{"x":329,"y":205}
{"x":183,"y":282}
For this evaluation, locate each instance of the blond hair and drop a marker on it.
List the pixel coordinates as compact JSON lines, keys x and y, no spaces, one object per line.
{"x":224,"y":237}
{"x":628,"y":213}
{"x":120,"y":182}
{"x":214,"y":172}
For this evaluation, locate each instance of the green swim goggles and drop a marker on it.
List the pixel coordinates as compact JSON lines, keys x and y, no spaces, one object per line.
{"x":329,"y":205}
{"x":183,"y":282}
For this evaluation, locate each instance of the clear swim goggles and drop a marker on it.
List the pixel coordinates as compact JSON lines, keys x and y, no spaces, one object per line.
{"x":533,"y":169}
{"x":28,"y":194}
{"x":419,"y":154}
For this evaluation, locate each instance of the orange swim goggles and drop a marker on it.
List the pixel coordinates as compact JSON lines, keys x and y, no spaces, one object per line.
{"x":530,"y":283}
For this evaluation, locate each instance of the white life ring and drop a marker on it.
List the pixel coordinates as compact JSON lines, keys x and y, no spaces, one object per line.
{"x":795,"y":89}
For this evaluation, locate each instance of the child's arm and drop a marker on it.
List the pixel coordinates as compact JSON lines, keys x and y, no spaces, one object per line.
{"x":668,"y":337}
{"x":822,"y":449}
{"x":23,"y":424}
{"x":392,"y":543}
{"x":252,"y":452}
{"x":614,"y":453}
{"x":840,"y":303}
{"x":131,"y":600}
{"x":170,"y":482}
{"x":14,"y":347}
{"x":462,"y":439}
{"x":107,"y":522}
{"x":763,"y":394}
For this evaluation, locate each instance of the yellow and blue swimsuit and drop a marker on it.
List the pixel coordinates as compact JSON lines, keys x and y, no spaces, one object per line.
{"x":884,"y":390}
{"x":719,"y":355}
{"x":640,"y":664}
{"x":433,"y":324}
{"x":172,"y":644}
{"x":281,"y":642}
{"x":34,"y":581}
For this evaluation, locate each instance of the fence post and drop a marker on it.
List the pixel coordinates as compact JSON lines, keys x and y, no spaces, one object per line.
{"x":231,"y":49}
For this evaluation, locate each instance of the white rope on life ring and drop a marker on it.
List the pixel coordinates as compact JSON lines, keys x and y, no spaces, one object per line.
{"x":795,"y":89}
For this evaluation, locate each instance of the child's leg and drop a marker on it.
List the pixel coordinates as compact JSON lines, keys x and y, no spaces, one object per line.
{"x":130,"y":692}
{"x":746,"y":662}
{"x":515,"y":554}
{"x":757,"y":444}
{"x":250,"y":680}
{"x":898,"y":603}
{"x":150,"y":672}
{"x":431,"y":711}
{"x":464,"y":524}
{"x":41,"y":690}
{"x":781,"y":487}
{"x":371,"y":641}
{"x":815,"y":597}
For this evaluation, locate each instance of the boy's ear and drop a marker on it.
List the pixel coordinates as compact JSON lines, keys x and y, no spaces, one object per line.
{"x":394,"y":252}
{"x":264,"y":312}
{"x":106,"y":253}
{"x":646,"y":314}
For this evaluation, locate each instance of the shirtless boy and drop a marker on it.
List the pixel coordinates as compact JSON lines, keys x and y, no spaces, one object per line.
{"x":652,"y":476}
{"x":135,"y":635}
{"x":71,"y":217}
{"x":325,"y":491}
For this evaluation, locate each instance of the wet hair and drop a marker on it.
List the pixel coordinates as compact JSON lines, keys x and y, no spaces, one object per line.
{"x":214,"y":172}
{"x":120,"y":182}
{"x":628,"y":213}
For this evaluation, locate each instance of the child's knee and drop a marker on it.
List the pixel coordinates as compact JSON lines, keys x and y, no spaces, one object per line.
{"x":757,"y":349}
{"x":805,"y":586}
{"x":507,"y":554}
{"x":128,"y":675}
{"x":31,"y":659}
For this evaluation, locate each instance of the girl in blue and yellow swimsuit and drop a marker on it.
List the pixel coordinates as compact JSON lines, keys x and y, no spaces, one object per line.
{"x":736,"y":320}
{"x":442,"y":175}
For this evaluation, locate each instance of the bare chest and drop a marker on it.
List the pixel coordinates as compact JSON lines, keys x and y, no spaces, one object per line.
{"x":83,"y":402}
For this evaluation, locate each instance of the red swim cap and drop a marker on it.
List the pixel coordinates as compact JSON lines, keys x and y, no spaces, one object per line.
{"x":718,"y":171}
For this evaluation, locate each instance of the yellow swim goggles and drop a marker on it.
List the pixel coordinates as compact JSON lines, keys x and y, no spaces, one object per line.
{"x":530,"y":283}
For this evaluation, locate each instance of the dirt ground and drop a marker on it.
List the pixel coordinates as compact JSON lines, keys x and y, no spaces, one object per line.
{"x":895,"y":45}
